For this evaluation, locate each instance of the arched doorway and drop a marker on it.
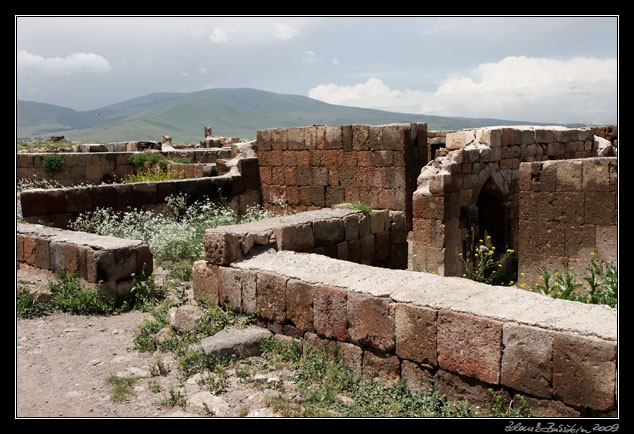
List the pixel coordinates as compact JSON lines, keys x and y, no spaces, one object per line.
{"x":487,"y":220}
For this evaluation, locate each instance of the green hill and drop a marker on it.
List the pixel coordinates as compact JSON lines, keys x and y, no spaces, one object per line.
{"x":230,"y":112}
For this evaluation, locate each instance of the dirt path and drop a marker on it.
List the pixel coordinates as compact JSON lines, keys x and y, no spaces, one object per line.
{"x":63,"y":361}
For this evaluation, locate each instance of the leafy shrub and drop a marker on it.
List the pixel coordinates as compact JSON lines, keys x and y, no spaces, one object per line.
{"x":602,"y":282}
{"x":23,"y":184}
{"x":52,"y":163}
{"x":151,"y":175}
{"x":173,"y":236}
{"x":149,"y":159}
{"x":27,"y":307}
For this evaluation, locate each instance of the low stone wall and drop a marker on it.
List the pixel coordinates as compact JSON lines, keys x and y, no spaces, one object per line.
{"x":57,"y":207}
{"x":462,"y":336}
{"x":237,"y":184}
{"x":103,"y":260}
{"x":97,"y":167}
{"x":568,"y":215}
{"x":351,"y":235}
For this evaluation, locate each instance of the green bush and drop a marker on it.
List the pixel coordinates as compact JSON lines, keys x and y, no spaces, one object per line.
{"x":52,"y":163}
{"x":150,"y":159}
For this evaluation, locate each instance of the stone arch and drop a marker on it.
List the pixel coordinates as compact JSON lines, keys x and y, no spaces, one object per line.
{"x":488,"y":216}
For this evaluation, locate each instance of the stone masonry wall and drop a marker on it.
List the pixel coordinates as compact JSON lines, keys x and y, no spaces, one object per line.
{"x":460,"y":336}
{"x":323,"y":165}
{"x":481,"y":170}
{"x":98,"y":167}
{"x":346,"y":234}
{"x":94,"y":258}
{"x":237,"y":184}
{"x":568,"y":216}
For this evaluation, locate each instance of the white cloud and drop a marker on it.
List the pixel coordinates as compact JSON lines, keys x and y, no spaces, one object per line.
{"x":515,"y":88}
{"x":371,"y":94}
{"x":73,"y":63}
{"x":219,"y":35}
{"x":285,"y":32}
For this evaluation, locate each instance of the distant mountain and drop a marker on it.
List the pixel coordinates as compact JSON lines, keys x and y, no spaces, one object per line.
{"x":230,"y":112}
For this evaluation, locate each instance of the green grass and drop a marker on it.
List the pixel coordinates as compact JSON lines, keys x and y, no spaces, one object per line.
{"x":70,"y":295}
{"x":326,"y":387}
{"x":122,"y":387}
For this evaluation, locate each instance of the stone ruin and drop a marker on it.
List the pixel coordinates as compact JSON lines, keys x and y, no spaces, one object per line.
{"x":336,"y":276}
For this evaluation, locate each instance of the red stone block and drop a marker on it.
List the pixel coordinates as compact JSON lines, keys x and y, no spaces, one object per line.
{"x":299,"y":304}
{"x":370,"y":322}
{"x":330,"y":316}
{"x":271,"y":296}
{"x":470,"y":345}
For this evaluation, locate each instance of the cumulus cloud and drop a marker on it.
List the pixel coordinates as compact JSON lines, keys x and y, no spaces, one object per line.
{"x":516,"y":88}
{"x":285,"y":32}
{"x":73,"y":63}
{"x":371,"y":94}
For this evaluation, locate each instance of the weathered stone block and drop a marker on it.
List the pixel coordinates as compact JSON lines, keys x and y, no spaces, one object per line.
{"x":221,"y":248}
{"x":370,"y":322}
{"x":415,"y":332}
{"x":600,"y":208}
{"x":596,"y":175}
{"x":470,"y":345}
{"x":351,"y":227}
{"x":328,"y":231}
{"x":384,"y":367}
{"x":295,"y":237}
{"x":584,"y":371}
{"x":367,"y":249}
{"x":205,"y":281}
{"x":330,"y":312}
{"x":249,"y":291}
{"x":333,"y":137}
{"x":569,"y":176}
{"x":271,"y":296}
{"x":230,"y":290}
{"x":416,"y":377}
{"x":527,"y":361}
{"x":299,"y":304}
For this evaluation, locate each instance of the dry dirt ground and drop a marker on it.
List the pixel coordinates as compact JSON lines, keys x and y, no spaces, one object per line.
{"x":62,"y":362}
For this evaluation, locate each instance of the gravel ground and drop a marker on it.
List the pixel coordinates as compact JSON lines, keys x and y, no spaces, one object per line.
{"x":62,"y":363}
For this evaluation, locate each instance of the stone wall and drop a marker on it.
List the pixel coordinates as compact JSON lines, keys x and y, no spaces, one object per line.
{"x":346,"y":234}
{"x":568,"y":216}
{"x":237,"y":183}
{"x":473,"y":190}
{"x":461,"y":336}
{"x":318,"y":166}
{"x":108,"y":261}
{"x":97,"y":167}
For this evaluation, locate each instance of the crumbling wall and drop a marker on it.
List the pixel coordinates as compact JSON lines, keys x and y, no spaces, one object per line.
{"x":568,"y":216}
{"x":480,"y":171}
{"x":237,"y":184}
{"x":97,"y":167}
{"x":312,"y":167}
{"x":108,"y":261}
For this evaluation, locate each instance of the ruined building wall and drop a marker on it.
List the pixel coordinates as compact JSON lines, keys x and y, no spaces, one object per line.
{"x":568,"y":216}
{"x":97,"y":167}
{"x":312,"y":167}
{"x":473,"y":190}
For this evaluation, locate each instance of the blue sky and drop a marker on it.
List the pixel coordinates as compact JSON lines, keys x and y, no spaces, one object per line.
{"x":542,"y":69}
